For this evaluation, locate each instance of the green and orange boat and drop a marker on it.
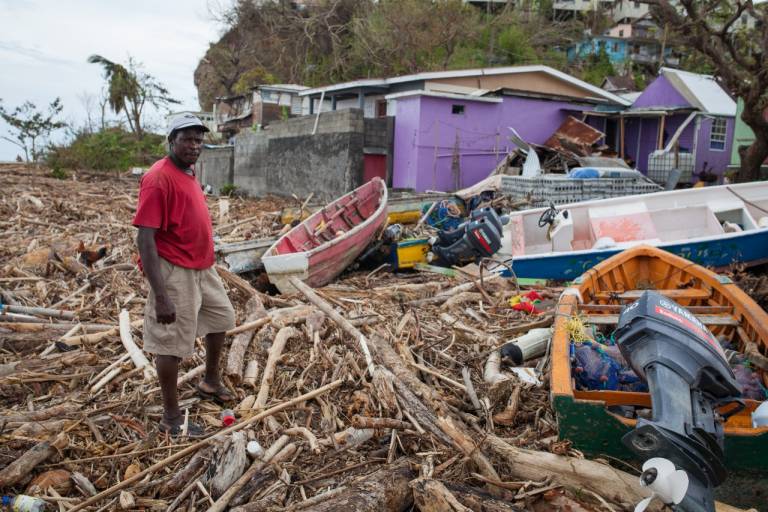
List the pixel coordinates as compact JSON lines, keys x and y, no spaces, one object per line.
{"x":595,"y":420}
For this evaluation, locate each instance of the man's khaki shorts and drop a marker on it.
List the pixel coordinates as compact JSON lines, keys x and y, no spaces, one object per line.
{"x":202,"y":307}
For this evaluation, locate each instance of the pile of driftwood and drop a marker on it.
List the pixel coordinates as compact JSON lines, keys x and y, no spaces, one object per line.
{"x":377,"y":393}
{"x":754,"y":282}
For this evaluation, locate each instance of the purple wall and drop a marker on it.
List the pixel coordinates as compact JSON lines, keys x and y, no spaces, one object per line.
{"x":405,"y":137}
{"x":662,"y":94}
{"x":716,"y":160}
{"x":641,"y":140}
{"x":427,"y":131}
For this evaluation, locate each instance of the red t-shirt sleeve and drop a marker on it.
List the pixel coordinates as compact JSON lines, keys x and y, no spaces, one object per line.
{"x":151,"y":211}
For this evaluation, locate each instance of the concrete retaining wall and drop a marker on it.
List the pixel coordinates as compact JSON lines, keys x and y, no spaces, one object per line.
{"x":286,"y":158}
{"x":215,"y":167}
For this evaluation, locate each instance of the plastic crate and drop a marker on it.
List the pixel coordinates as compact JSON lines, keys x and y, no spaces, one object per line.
{"x":660,"y":163}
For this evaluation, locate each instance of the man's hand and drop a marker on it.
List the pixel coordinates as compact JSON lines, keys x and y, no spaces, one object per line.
{"x":165,"y":310}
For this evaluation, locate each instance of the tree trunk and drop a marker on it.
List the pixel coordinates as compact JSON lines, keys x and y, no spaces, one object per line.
{"x":753,"y":157}
{"x":385,"y":490}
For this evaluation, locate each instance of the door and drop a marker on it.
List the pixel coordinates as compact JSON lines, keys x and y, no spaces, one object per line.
{"x":374,"y":166}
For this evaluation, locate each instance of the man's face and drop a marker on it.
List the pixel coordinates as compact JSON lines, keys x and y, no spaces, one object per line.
{"x":186,"y":145}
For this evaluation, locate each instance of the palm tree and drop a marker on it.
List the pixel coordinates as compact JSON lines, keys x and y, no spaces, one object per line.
{"x":123,"y":87}
{"x":129,"y":90}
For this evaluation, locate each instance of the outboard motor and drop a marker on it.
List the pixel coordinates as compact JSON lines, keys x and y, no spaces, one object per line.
{"x":688,"y":378}
{"x":478,"y":237}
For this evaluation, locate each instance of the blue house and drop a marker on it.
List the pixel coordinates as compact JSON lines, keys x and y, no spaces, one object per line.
{"x":621,"y":50}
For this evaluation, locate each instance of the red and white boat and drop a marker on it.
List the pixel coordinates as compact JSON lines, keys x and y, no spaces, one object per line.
{"x":322,"y":246}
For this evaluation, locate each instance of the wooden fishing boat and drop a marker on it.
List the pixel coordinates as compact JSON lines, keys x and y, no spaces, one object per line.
{"x":596,"y":420}
{"x":246,"y":256}
{"x":322,"y":246}
{"x":402,"y":207}
{"x":711,"y":226}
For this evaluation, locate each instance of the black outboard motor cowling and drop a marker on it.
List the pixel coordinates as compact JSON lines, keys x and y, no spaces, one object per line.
{"x":688,"y":378}
{"x":479,"y":237}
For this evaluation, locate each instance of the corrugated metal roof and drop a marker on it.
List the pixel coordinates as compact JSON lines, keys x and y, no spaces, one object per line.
{"x":436,"y":75}
{"x":701,"y":91}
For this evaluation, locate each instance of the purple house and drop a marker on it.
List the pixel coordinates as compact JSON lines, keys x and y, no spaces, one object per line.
{"x":682,"y":120}
{"x":453,"y":130}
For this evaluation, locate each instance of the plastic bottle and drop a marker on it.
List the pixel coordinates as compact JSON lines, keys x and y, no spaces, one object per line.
{"x":23,"y":503}
{"x":760,"y":416}
{"x":227,"y":417}
{"x":255,"y":451}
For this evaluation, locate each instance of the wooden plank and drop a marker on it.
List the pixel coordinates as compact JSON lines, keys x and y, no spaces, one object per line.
{"x":686,"y":293}
{"x":701,"y":310}
{"x":705,"y":319}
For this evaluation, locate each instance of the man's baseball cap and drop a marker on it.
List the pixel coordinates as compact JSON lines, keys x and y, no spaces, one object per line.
{"x":183,"y":121}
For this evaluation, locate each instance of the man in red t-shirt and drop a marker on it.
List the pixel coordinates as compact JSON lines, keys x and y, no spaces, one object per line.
{"x":186,"y":297}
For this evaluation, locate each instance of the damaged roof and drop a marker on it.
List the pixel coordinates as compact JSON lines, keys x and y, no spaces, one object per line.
{"x":701,"y":91}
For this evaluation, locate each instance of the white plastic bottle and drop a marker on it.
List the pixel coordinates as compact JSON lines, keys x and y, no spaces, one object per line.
{"x":760,"y":416}
{"x":24,"y":503}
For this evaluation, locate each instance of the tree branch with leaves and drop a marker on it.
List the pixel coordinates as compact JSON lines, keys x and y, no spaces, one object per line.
{"x":30,"y":126}
{"x":130,"y":90}
{"x":737,"y":53}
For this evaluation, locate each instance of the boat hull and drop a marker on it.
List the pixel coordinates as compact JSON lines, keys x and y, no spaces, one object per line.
{"x":320,"y":264}
{"x":583,"y":416}
{"x":748,"y":248}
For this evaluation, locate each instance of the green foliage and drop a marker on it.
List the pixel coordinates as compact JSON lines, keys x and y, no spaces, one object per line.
{"x":111,"y":149}
{"x":252,"y":78}
{"x":641,"y":81}
{"x":597,"y":67}
{"x":514,"y":44}
{"x":227,"y":189}
{"x":29,"y":126}
{"x":59,"y":173}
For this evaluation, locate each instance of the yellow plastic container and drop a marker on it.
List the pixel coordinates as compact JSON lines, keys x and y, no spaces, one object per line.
{"x":408,"y":253}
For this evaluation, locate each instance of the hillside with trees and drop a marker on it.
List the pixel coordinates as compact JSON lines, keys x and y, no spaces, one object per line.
{"x":338,"y":40}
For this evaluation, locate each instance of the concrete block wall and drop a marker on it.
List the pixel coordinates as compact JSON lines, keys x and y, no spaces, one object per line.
{"x":215,"y":167}
{"x":286,"y":158}
{"x":376,"y":133}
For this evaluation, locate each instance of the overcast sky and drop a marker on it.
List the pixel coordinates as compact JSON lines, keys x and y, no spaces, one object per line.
{"x":44,"y":45}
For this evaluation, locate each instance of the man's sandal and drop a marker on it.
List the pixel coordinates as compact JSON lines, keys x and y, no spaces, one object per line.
{"x":221,"y":395}
{"x":194,"y":431}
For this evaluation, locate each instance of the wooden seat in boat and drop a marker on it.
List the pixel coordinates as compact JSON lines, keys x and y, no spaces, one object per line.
{"x":705,"y":319}
{"x":685,"y":293}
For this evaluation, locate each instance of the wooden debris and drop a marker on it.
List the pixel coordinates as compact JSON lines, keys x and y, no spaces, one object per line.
{"x":368,"y":394}
{"x":21,"y":467}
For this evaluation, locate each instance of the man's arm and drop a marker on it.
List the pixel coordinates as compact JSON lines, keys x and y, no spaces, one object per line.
{"x":165,"y":310}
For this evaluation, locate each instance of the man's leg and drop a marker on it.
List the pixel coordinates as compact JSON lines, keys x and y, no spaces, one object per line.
{"x":168,"y":375}
{"x":214,"y":344}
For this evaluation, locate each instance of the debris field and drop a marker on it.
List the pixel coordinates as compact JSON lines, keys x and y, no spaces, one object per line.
{"x":373,"y":393}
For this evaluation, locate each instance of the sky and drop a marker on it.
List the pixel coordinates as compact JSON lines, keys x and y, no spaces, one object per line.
{"x":44,"y":45}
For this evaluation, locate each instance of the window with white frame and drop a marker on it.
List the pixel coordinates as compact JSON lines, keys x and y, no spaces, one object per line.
{"x":717,"y":134}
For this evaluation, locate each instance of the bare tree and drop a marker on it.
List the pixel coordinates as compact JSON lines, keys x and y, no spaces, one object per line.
{"x":738,"y":54}
{"x":88,"y":102}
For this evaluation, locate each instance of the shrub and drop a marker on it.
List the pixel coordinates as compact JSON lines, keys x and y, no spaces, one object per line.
{"x":59,"y":173}
{"x":227,"y":189}
{"x":110,"y":149}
